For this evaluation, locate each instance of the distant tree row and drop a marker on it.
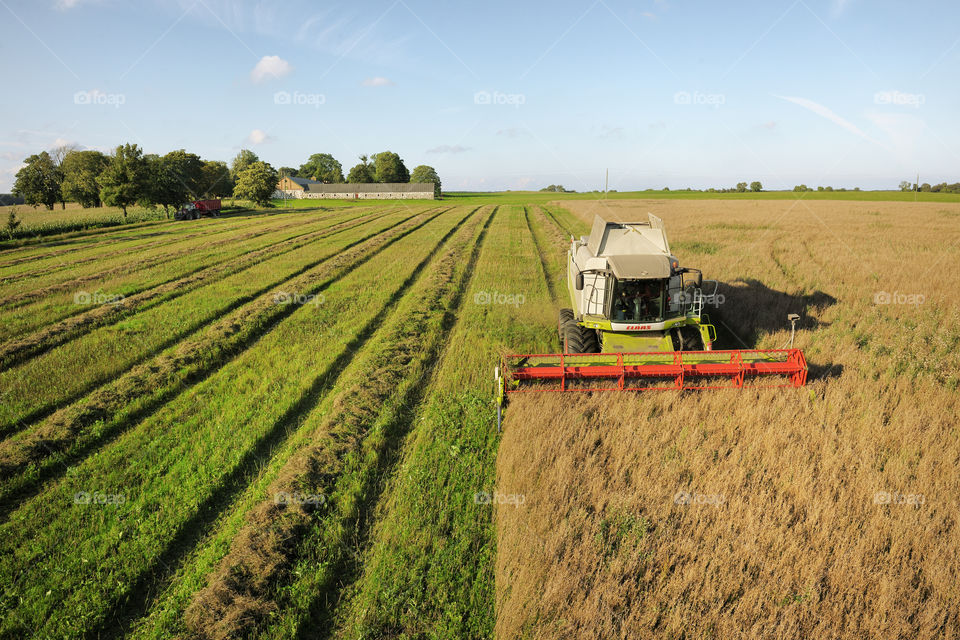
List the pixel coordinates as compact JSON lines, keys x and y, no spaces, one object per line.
{"x":926,"y":187}
{"x":557,"y":188}
{"x":803,"y":187}
{"x":121,"y":179}
{"x":386,"y":166}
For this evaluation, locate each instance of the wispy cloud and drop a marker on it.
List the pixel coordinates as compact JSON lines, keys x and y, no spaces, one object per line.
{"x":839,"y":6}
{"x":378,"y":81}
{"x":825,"y":112}
{"x":903,"y":130}
{"x":65,"y":5}
{"x":270,"y":67}
{"x":512,"y":132}
{"x":446,"y":148}
{"x":611,"y":133}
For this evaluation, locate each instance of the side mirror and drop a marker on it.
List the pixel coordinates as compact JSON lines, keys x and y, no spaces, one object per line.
{"x":579,"y":282}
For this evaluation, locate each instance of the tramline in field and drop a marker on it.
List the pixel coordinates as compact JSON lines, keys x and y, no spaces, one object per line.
{"x":637,"y":322}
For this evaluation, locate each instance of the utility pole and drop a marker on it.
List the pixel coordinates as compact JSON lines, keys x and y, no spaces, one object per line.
{"x":606,"y":183}
{"x":917,"y":188}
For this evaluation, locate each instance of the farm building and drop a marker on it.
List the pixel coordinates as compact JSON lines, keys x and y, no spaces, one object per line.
{"x":289,"y":187}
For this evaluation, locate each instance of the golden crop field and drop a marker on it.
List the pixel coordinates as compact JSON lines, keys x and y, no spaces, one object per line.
{"x":826,"y":511}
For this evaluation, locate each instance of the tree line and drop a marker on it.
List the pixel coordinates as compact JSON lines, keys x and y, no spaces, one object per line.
{"x":129,"y":177}
{"x":926,"y":187}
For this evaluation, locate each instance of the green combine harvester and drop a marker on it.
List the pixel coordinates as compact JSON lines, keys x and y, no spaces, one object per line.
{"x":637,"y":324}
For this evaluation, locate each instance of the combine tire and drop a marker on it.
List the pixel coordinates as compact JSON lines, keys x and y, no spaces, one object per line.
{"x":577,"y":339}
{"x":566,"y":317}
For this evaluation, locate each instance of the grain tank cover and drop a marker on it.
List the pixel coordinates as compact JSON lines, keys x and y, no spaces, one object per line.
{"x":639,"y":267}
{"x":628,"y":238}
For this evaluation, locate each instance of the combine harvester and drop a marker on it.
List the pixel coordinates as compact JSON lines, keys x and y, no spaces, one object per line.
{"x":637,"y":324}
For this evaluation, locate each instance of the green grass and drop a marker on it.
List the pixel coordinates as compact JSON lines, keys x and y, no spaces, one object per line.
{"x":51,"y":298}
{"x":91,"y":558}
{"x":73,"y":368}
{"x":537,"y":197}
{"x":336,"y":413}
{"x":429,"y":569}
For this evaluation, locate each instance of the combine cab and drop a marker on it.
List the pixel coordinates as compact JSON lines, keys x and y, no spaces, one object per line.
{"x":637,"y":324}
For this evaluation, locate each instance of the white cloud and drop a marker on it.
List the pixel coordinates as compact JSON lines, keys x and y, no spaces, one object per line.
{"x":270,"y":67}
{"x":825,"y":112}
{"x":446,"y":148}
{"x":378,"y":82}
{"x":258,"y":136}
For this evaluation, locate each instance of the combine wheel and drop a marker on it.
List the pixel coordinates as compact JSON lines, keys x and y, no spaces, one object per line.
{"x":565,"y":318}
{"x":577,"y":339}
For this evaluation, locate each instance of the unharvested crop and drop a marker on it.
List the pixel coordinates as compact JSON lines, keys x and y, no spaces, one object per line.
{"x":820,"y":512}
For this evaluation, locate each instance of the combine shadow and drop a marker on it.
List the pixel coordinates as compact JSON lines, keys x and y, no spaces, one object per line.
{"x":823,"y":371}
{"x":746,"y":311}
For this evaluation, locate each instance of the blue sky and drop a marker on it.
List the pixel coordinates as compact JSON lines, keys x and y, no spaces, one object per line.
{"x":500,"y":95}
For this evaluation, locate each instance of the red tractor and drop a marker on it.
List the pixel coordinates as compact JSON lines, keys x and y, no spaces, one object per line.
{"x":197,"y":208}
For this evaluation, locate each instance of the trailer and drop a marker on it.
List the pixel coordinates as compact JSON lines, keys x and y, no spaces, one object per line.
{"x":196,"y":208}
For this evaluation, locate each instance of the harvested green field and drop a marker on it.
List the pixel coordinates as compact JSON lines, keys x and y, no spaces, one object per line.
{"x":281,"y":425}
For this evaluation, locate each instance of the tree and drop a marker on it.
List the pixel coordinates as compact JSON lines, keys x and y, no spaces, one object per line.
{"x":904,"y":185}
{"x":424,"y":173}
{"x":165,"y":184}
{"x":39,"y":182}
{"x":287,"y":171}
{"x":215,"y":180}
{"x":123,"y":181}
{"x":390,"y":168}
{"x":741,"y":187}
{"x":59,"y":155}
{"x":802,"y":187}
{"x":323,"y":167}
{"x":257,"y":182}
{"x":756,"y":186}
{"x":242,"y":160}
{"x":363,"y":172}
{"x":188,"y":167}
{"x":80,"y":172}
